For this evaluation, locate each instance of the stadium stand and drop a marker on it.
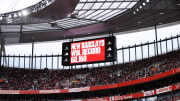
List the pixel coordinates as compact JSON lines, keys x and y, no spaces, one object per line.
{"x":152,"y":77}
{"x":22,"y":79}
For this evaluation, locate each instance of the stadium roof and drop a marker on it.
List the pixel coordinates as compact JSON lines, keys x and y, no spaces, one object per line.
{"x":59,"y":19}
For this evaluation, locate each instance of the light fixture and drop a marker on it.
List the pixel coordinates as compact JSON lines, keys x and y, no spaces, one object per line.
{"x":137,"y":9}
{"x":9,"y":16}
{"x":140,"y":7}
{"x":178,"y":4}
{"x":24,"y":13}
{"x":139,"y":22}
{"x":147,"y":0}
{"x":160,"y":23}
{"x":117,"y":28}
{"x":42,"y":4}
{"x":134,"y":12}
{"x":15,"y":15}
{"x":1,"y":17}
{"x":144,"y":3}
{"x":47,"y":1}
{"x":19,"y":14}
{"x":161,"y":13}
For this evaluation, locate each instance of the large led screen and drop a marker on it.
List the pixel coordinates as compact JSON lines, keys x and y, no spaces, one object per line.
{"x":88,"y":51}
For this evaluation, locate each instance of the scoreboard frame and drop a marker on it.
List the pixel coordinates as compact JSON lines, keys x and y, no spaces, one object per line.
{"x":110,"y":55}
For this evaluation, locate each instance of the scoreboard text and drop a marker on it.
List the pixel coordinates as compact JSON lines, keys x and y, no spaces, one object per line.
{"x":89,"y":51}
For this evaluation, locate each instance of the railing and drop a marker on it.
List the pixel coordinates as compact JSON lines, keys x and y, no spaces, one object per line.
{"x":124,"y":54}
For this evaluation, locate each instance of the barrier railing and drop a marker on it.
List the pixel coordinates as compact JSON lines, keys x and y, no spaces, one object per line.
{"x":125,"y":54}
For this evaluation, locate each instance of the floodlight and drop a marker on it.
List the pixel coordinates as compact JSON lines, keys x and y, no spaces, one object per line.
{"x":144,"y":3}
{"x":24,"y":13}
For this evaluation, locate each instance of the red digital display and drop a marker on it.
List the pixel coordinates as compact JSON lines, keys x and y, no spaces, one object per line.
{"x":87,"y":51}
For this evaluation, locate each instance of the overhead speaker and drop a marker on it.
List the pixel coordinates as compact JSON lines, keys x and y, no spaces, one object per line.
{"x":53,"y":24}
{"x":74,"y":15}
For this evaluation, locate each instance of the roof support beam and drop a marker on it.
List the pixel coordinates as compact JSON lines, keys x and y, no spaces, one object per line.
{"x":108,"y":1}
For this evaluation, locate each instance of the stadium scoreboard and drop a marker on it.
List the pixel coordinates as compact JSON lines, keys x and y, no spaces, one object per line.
{"x":89,"y":51}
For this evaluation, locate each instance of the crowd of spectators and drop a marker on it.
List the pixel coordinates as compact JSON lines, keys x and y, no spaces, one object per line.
{"x":25,"y":79}
{"x":171,"y":98}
